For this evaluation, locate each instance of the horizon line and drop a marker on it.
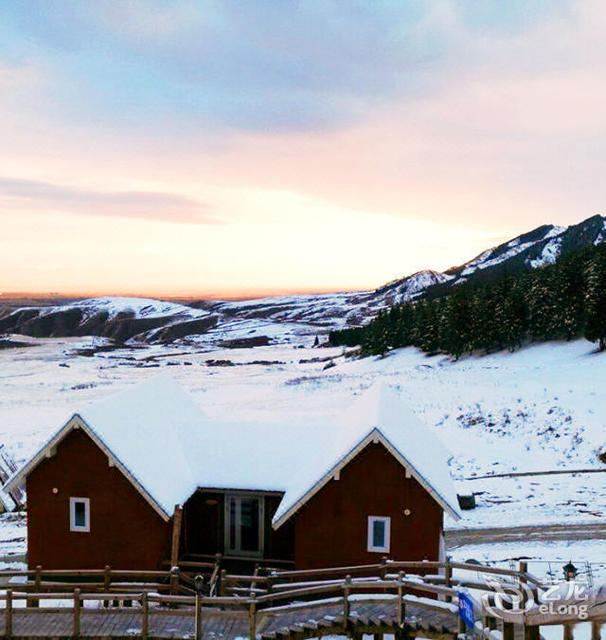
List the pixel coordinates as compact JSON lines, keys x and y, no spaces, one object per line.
{"x":238,"y":295}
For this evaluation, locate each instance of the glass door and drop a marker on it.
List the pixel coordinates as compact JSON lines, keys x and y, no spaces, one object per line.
{"x":244,"y":524}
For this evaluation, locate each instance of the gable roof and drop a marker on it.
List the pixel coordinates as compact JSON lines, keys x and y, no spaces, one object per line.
{"x":143,"y":430}
{"x":156,"y":434}
{"x":381,"y":415}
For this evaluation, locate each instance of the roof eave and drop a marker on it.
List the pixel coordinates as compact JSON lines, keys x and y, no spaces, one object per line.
{"x":75,"y":422}
{"x":375,"y":435}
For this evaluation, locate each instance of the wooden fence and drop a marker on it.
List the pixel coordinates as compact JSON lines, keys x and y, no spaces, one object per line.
{"x":158,"y":593}
{"x":153,"y":604}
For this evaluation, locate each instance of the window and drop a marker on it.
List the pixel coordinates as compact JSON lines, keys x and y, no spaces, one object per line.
{"x":378,"y":533}
{"x":79,"y":514}
{"x":244,"y":524}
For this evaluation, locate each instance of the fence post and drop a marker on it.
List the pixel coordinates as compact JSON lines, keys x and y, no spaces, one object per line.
{"x":174,"y":580}
{"x":215,"y":587}
{"x":198,"y":617}
{"x":269,"y":584}
{"x":531,"y":632}
{"x":222,"y":582}
{"x":107,"y":577}
{"x":346,"y":608}
{"x":595,"y":630}
{"x":77,"y":605}
{"x":252,"y":614}
{"x":462,"y":628}
{"x":176,"y":537}
{"x":448,"y":576}
{"x":401,"y":604}
{"x":253,"y":584}
{"x":568,"y":631}
{"x":38,"y":585}
{"x":508,"y":631}
{"x":144,"y":615}
{"x":383,"y":569}
{"x":522,"y":583}
{"x":8,"y":624}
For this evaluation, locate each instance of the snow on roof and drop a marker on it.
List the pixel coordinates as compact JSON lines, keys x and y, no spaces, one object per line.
{"x":148,"y":427}
{"x":162,"y":440}
{"x":383,"y":408}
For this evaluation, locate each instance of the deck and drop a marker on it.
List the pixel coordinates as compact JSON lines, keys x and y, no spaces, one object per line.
{"x":305,"y":621}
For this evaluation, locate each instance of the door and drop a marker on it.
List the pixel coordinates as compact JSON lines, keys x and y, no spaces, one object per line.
{"x":244,"y":515}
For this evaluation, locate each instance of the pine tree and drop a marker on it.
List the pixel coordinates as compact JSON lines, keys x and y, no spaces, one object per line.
{"x":457,"y":332}
{"x":595,"y":299}
{"x":562,"y":300}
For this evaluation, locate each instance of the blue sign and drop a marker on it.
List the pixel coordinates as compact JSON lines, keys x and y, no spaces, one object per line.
{"x":466,"y":609}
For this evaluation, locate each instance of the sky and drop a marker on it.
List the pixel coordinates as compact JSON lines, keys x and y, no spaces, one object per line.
{"x":227,"y":148}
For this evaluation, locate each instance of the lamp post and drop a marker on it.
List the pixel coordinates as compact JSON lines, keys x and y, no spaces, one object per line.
{"x":570,"y":571}
{"x":198,"y":587}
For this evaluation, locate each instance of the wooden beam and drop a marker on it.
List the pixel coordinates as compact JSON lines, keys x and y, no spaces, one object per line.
{"x":176,"y":541}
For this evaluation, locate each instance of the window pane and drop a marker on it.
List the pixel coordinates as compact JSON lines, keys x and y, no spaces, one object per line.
{"x":232,"y":523}
{"x":79,"y":514}
{"x":249,"y":524}
{"x":378,"y":533}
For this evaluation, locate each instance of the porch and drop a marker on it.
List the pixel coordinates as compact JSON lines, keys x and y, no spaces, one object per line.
{"x":236,"y":525}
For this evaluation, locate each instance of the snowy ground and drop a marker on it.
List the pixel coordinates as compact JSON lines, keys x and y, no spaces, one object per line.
{"x":537,"y":409}
{"x":546,"y":559}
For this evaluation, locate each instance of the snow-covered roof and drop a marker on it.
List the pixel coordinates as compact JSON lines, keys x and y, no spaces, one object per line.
{"x":157,"y":435}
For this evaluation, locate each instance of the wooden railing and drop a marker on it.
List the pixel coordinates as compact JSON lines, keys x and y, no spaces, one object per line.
{"x":431,"y":571}
{"x":172,"y":592}
{"x":250,"y":607}
{"x":179,"y":580}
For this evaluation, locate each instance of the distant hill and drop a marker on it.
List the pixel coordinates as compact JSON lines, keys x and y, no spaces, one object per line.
{"x":278,"y":318}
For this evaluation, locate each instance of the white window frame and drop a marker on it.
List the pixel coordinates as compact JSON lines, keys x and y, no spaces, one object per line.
{"x":72,"y":515}
{"x":371,"y":525}
{"x":238,"y":549}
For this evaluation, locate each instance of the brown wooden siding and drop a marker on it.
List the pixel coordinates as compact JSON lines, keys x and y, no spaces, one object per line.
{"x":125,"y":531}
{"x":279,"y":545}
{"x":331,"y":529}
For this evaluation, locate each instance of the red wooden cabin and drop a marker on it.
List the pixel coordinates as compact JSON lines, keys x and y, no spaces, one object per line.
{"x":143,"y":477}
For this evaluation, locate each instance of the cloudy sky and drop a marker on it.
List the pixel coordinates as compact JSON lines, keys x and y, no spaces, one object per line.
{"x":232,"y":148}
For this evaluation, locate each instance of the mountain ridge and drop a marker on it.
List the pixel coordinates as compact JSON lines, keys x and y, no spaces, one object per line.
{"x":276,"y":318}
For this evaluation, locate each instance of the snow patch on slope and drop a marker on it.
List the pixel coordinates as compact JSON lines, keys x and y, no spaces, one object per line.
{"x":498,"y":255}
{"x":417,"y":283}
{"x":601,"y":237}
{"x":549,"y":255}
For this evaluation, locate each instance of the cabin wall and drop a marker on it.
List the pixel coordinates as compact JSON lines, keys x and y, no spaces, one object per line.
{"x":125,"y":531}
{"x":203,"y":523}
{"x":332,"y":528}
{"x":279,"y":545}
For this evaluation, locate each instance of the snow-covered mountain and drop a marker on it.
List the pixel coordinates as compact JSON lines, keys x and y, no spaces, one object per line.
{"x":282,"y":318}
{"x":118,"y":318}
{"x":537,"y":248}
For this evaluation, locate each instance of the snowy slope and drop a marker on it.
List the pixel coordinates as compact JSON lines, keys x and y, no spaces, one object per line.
{"x":534,"y":410}
{"x":537,"y":409}
{"x":137,"y":307}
